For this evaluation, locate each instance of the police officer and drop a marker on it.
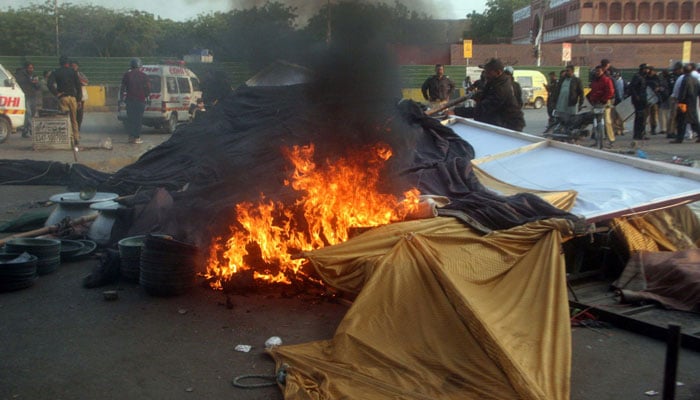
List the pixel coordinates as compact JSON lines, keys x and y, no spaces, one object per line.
{"x":64,"y":83}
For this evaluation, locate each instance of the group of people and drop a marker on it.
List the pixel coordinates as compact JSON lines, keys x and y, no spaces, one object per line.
{"x":64,"y":89}
{"x":668,"y":101}
{"x":497,"y":95}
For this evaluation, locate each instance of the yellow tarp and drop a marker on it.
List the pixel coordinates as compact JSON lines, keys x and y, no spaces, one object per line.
{"x":442,"y":312}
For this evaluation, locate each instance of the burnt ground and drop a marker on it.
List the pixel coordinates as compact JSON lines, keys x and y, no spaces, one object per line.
{"x":59,"y":340}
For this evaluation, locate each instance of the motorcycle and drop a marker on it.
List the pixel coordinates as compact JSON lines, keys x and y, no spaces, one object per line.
{"x":570,"y":128}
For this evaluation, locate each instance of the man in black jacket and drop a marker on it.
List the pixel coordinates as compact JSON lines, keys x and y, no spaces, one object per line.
{"x":64,"y":83}
{"x":568,"y":96}
{"x":496,"y":104}
{"x":31,"y":88}
{"x":687,"y":104}
{"x":638,"y":92}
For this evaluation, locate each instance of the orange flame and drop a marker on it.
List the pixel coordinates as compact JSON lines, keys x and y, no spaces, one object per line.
{"x":333,"y":198}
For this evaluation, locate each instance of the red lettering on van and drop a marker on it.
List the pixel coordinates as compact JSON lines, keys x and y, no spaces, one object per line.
{"x":9,"y":101}
{"x":177,"y":71}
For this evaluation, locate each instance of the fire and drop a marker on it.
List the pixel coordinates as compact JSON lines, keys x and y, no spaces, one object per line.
{"x":333,"y":198}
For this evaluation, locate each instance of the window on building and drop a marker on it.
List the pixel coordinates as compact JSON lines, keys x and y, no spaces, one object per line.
{"x":697,"y":11}
{"x":672,"y":11}
{"x":657,"y":11}
{"x":686,"y":10}
{"x":602,"y":11}
{"x":615,"y":11}
{"x":644,"y":11}
{"x":630,"y":12}
{"x":559,"y":17}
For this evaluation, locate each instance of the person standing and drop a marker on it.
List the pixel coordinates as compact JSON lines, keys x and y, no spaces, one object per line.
{"x":83,"y":87}
{"x":664,"y":101}
{"x":687,"y":104}
{"x":496,"y":104}
{"x":135,"y":89}
{"x":638,"y":92}
{"x":29,"y":83}
{"x":601,"y":95}
{"x":64,"y":83}
{"x":438,"y":88}
{"x":654,"y":89}
{"x":675,"y":78}
{"x":551,"y":87}
{"x":517,"y":89}
{"x":568,"y":97}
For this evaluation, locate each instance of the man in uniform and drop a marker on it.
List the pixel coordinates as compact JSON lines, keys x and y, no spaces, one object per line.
{"x":438,"y":88}
{"x":64,"y":83}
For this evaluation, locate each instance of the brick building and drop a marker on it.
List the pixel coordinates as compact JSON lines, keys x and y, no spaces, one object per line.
{"x":627,"y":31}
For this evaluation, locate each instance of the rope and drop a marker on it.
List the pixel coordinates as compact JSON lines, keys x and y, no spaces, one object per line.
{"x":271,"y":378}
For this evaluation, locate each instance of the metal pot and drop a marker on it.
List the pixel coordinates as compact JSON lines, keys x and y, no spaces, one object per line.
{"x":101,"y":228}
{"x":71,"y":205}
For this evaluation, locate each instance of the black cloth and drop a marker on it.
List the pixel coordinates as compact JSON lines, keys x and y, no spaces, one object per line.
{"x":64,"y":81}
{"x":437,"y":88}
{"x":518,"y":92}
{"x":497,"y":105}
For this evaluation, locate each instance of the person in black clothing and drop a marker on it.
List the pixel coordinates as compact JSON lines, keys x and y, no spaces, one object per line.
{"x":496,"y":104}
{"x":638,"y":92}
{"x":551,"y":87}
{"x":517,"y":89}
{"x":31,"y":87}
{"x":438,"y":88}
{"x":687,"y":105}
{"x":64,"y":83}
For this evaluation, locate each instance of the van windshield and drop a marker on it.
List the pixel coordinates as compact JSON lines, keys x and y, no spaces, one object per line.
{"x":155,"y":83}
{"x":525,"y":81}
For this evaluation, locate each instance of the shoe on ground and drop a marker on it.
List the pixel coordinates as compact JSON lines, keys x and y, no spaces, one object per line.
{"x":134,"y":140}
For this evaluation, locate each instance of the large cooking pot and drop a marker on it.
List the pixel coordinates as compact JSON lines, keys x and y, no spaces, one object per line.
{"x":74,"y":205}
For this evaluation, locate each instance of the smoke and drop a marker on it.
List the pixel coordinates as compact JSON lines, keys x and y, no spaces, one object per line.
{"x":306,"y":9}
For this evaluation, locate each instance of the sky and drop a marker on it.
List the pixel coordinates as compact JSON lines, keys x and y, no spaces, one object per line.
{"x":182,"y":10}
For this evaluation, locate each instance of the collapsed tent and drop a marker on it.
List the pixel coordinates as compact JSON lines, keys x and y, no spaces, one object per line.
{"x":238,"y":153}
{"x":442,"y":312}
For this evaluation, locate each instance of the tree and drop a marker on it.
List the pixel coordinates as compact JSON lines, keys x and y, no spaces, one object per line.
{"x":496,"y":24}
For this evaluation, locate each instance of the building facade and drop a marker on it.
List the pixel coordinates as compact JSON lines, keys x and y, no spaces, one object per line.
{"x":578,"y":21}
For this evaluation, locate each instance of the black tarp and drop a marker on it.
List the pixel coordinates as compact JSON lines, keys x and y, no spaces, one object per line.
{"x":189,"y":185}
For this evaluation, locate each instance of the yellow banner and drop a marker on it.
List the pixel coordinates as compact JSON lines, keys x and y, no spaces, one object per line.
{"x":467,"y":48}
{"x":686,"y":51}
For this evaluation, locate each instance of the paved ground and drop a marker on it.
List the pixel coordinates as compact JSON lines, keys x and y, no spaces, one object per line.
{"x":61,"y":341}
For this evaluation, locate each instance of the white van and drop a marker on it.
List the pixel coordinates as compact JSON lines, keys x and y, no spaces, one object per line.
{"x":173,"y":88}
{"x":12,"y":106}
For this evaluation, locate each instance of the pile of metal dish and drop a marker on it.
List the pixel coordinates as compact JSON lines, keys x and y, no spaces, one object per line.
{"x":47,"y":252}
{"x":168,"y":266}
{"x":17,"y":271}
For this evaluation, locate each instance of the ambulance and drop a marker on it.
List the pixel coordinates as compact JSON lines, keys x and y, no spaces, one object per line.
{"x":173,"y":88}
{"x":12,"y":106}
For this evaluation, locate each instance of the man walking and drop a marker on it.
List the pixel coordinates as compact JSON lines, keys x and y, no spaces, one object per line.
{"x":83,"y":88}
{"x":64,"y":83}
{"x":135,"y":89}
{"x":438,"y":88}
{"x":31,"y":87}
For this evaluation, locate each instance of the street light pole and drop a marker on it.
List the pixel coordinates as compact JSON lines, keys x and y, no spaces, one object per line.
{"x":55,"y":13}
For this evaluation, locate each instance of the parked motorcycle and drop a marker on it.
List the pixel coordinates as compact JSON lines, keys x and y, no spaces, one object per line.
{"x":569,"y":128}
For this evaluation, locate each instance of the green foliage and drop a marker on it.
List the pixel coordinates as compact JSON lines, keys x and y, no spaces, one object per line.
{"x":496,"y":24}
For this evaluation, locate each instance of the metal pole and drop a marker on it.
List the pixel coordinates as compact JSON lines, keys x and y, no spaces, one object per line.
{"x":55,"y":13}
{"x":673,"y":345}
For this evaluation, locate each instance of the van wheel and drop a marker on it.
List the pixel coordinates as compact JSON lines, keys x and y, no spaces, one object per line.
{"x":539,"y":103}
{"x":171,"y":124}
{"x":5,"y":129}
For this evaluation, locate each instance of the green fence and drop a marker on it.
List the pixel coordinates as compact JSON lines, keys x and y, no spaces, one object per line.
{"x":109,"y":71}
